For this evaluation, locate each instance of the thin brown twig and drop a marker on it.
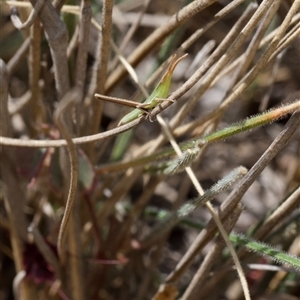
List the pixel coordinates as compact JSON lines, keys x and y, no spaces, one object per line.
{"x":157,"y":36}
{"x":18,"y":56}
{"x":227,"y":55}
{"x":241,"y":188}
{"x":209,"y":206}
{"x":32,"y":17}
{"x":279,"y":214}
{"x":130,"y":34}
{"x":218,"y":63}
{"x":263,"y":61}
{"x":68,"y":101}
{"x":193,"y":38}
{"x":57,"y":36}
{"x":237,"y":194}
{"x":75,"y":260}
{"x":12,"y":192}
{"x":82,"y":39}
{"x":73,"y":42}
{"x":34,"y":73}
{"x":213,"y":59}
{"x":101,"y":77}
{"x":83,"y":43}
{"x":193,"y":291}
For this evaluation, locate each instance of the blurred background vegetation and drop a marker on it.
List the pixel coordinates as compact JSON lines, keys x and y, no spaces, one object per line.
{"x":60,"y":55}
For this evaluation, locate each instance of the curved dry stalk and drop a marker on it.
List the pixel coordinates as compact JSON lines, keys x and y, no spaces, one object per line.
{"x":68,"y":101}
{"x":33,"y":15}
{"x":5,"y":141}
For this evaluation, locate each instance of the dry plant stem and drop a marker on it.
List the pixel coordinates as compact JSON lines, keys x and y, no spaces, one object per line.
{"x":242,"y":35}
{"x":216,"y":55}
{"x":34,"y":72}
{"x":32,"y":17}
{"x":19,"y":55}
{"x":283,"y":45}
{"x":14,"y":198}
{"x":83,"y":34}
{"x":75,"y":260}
{"x":5,"y":125}
{"x":217,"y":17}
{"x":188,"y":127}
{"x":193,"y":291}
{"x":249,"y":55}
{"x":258,"y":36}
{"x":73,"y":43}
{"x":194,"y":37}
{"x":229,"y":99}
{"x":130,"y":34}
{"x":102,"y":69}
{"x":58,"y":4}
{"x":288,"y":40}
{"x":69,"y":99}
{"x":264,"y":59}
{"x":83,"y":44}
{"x":157,"y":36}
{"x":279,"y":214}
{"x":57,"y":36}
{"x":213,"y":59}
{"x":12,"y":193}
{"x":237,"y":194}
{"x":59,"y":143}
{"x":215,"y":216}
{"x":271,"y":82}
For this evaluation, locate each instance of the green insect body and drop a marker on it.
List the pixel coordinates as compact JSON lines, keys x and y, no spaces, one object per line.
{"x":160,"y":92}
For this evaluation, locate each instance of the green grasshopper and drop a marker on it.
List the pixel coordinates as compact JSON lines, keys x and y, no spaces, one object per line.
{"x":158,"y":95}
